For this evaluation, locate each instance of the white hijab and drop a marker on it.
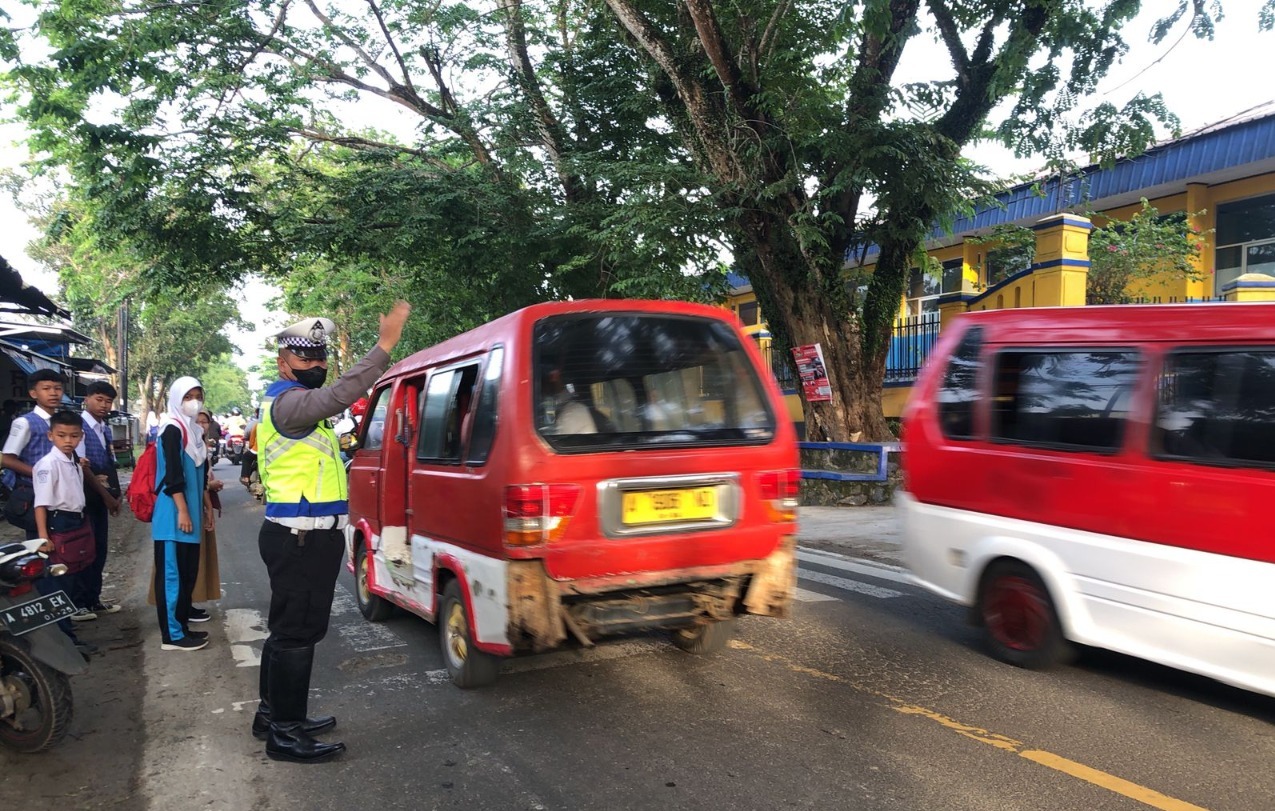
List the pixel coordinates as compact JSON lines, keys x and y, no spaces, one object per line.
{"x":195,"y":447}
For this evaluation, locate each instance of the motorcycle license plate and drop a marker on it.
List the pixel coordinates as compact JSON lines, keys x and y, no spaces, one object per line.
{"x":37,"y":613}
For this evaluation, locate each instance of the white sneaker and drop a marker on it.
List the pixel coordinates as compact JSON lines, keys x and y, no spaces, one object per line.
{"x":83,"y":615}
{"x":106,"y":608}
{"x":185,"y":643}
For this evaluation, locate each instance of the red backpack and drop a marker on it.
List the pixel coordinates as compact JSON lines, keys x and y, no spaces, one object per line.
{"x":142,"y":488}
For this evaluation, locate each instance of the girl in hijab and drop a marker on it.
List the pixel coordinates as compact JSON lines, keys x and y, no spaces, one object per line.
{"x":182,"y":510}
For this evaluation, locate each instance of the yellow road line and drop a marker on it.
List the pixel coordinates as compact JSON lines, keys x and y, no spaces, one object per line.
{"x":1080,"y":771}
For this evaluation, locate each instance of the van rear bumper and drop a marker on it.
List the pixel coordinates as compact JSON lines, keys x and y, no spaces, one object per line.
{"x":544,"y":612}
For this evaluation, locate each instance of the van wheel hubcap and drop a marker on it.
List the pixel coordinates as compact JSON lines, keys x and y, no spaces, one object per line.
{"x":1017,"y":613}
{"x":457,"y":634}
{"x":364,"y":593}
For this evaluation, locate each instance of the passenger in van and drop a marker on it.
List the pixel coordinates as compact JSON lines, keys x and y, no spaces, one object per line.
{"x":567,"y":414}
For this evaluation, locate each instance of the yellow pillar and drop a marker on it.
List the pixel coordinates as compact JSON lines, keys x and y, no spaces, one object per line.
{"x":1200,"y":218}
{"x":1061,"y":269}
{"x":1251,"y":287}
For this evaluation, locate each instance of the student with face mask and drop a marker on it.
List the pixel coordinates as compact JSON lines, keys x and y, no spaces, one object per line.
{"x":182,"y":511}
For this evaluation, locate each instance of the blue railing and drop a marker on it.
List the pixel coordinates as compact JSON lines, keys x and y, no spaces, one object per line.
{"x":910,"y":345}
{"x":881,"y":449}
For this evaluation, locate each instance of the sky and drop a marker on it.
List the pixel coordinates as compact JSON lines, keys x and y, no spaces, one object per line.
{"x":1202,"y":82}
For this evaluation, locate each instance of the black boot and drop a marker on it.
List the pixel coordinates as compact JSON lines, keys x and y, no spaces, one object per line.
{"x":261,"y":720}
{"x":289,"y":686}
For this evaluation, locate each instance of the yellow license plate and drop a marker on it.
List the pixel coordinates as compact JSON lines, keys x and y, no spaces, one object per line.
{"x":667,"y":506}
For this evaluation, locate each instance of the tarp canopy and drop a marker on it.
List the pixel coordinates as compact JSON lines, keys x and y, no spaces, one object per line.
{"x":16,"y":296}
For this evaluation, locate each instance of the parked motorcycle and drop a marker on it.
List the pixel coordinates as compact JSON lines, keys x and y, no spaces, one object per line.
{"x":35,"y":656}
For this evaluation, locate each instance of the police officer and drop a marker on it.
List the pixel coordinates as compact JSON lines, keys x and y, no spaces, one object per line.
{"x":302,"y":539}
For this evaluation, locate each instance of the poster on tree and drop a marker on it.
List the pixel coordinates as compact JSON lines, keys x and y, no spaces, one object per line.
{"x":813,"y":374}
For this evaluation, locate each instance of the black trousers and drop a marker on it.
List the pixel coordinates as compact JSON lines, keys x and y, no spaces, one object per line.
{"x":88,"y":583}
{"x":176,"y":570}
{"x":303,"y":568}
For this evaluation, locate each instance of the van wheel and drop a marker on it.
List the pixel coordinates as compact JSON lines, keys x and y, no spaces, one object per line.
{"x":373,"y":608}
{"x":710,"y":637}
{"x":1019,"y":616}
{"x":468,"y":666}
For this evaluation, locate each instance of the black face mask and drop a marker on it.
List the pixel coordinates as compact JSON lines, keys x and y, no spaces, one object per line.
{"x":311,"y":378}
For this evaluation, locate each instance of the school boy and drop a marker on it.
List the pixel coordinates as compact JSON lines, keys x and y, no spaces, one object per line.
{"x":58,"y":482}
{"x":101,"y":497}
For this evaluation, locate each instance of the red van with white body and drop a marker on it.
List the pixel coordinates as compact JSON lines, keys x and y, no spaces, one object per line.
{"x":1102,"y":475}
{"x":574,"y":470}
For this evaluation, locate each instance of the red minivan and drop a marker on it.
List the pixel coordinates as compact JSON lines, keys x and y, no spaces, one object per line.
{"x":574,"y":470}
{"x":1102,"y":475}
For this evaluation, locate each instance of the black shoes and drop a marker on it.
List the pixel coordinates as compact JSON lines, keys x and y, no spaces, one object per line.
{"x":311,"y":726}
{"x":292,"y":744}
{"x":286,"y":676}
{"x":199,"y":615}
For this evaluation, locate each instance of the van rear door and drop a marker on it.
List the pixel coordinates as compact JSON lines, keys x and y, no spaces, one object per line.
{"x":662,"y":439}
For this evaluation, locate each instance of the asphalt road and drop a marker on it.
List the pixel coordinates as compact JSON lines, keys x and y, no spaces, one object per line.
{"x":874,"y":695}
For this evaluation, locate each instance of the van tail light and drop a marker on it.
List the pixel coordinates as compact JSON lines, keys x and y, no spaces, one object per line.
{"x":538,"y":513}
{"x":779,"y":490}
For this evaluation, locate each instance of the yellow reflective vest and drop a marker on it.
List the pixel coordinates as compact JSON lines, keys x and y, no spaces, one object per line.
{"x":303,"y":475}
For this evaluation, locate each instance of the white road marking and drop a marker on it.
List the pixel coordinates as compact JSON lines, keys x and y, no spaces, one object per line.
{"x":804,"y":596}
{"x":361,"y":635}
{"x":848,"y":585}
{"x":243,"y":627}
{"x":832,"y":560}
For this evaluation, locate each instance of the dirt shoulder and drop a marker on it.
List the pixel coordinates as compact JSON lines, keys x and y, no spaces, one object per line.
{"x":98,"y":764}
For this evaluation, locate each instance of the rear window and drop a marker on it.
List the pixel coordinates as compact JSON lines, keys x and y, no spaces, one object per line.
{"x":1070,"y":400}
{"x":634,"y":381}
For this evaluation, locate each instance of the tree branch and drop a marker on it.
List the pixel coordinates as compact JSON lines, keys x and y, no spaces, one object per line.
{"x":718,"y":52}
{"x":951,"y":38}
{"x":547,"y":123}
{"x":771,"y":35}
{"x":353,"y":44}
{"x":407,"y":76}
{"x":705,"y":122}
{"x":357,"y":142}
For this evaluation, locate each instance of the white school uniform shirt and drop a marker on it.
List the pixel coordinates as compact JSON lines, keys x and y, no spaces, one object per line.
{"x":92,"y":423}
{"x":58,"y":482}
{"x":20,"y":433}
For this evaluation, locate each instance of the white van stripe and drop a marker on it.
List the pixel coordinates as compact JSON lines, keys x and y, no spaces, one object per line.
{"x":848,"y":585}
{"x":880,"y":571}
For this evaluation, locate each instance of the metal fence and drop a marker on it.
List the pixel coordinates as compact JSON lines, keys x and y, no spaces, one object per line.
{"x":1177,"y":299}
{"x":910,"y":344}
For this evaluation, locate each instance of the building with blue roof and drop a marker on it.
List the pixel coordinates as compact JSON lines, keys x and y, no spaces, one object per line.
{"x":1221,"y":178}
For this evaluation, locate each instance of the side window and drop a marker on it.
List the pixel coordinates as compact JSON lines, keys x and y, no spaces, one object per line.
{"x":485,"y":415}
{"x":958,"y":395}
{"x":374,"y":424}
{"x":1217,"y":408}
{"x":1073,"y":400}
{"x":448,"y":399}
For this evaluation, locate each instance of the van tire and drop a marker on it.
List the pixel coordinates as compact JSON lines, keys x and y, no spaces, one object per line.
{"x":372,"y":607}
{"x":709,"y":637}
{"x":1019,"y":618}
{"x":468,"y":666}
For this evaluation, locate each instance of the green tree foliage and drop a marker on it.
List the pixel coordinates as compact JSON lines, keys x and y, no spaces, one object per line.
{"x":225,"y":385}
{"x":568,"y":148}
{"x":1147,"y":247}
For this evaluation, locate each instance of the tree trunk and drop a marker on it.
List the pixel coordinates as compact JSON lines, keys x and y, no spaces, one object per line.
{"x":805,"y":301}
